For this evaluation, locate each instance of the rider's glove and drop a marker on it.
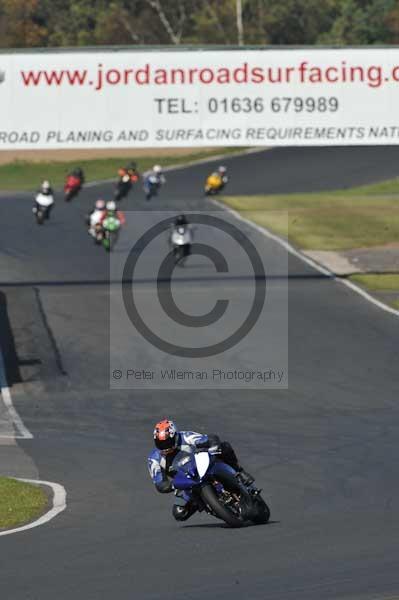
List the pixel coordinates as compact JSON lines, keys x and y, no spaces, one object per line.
{"x":164,"y":487}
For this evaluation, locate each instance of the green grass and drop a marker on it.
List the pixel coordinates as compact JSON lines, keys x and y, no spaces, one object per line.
{"x":378,"y":283}
{"x":383,"y":282}
{"x":21,"y":175}
{"x":20,"y":502}
{"x":387,"y":187}
{"x":360,"y":217}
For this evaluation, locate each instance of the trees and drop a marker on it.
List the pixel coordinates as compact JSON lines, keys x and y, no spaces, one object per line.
{"x":360,"y":22}
{"x":297,"y":21}
{"x":30,"y":23}
{"x":21,"y":23}
{"x":213,"y":22}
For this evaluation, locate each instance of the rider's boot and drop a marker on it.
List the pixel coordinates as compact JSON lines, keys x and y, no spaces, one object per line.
{"x":244,"y":477}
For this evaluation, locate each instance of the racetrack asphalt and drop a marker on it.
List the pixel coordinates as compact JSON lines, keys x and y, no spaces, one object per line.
{"x":325,"y":450}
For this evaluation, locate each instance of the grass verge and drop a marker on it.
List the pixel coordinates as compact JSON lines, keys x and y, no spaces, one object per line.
{"x":356,"y":218}
{"x":20,"y":502}
{"x":378,"y":283}
{"x":22,"y":175}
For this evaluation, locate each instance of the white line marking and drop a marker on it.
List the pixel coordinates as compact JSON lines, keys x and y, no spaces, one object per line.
{"x":356,"y":288}
{"x":282,"y":242}
{"x":23,"y":432}
{"x":59,"y":505}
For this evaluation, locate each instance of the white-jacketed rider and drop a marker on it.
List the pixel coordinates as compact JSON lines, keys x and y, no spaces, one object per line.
{"x":44,"y":199}
{"x":95,"y":216}
{"x":180,"y":225}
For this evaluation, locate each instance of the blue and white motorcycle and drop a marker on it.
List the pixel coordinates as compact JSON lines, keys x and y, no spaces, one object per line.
{"x":215,"y":487}
{"x":152,"y":184}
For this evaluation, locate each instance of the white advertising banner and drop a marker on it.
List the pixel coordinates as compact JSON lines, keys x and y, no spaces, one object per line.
{"x":100,"y":99}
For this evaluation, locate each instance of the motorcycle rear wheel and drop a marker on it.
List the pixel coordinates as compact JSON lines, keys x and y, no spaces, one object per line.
{"x":210,"y":498}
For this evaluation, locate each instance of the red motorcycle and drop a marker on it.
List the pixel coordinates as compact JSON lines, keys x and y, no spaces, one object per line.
{"x":72,"y":187}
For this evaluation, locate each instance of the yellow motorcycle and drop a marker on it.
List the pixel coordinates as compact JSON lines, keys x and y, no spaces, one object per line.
{"x":214,"y":184}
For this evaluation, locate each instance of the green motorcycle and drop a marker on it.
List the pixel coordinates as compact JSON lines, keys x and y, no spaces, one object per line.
{"x":111,"y":226}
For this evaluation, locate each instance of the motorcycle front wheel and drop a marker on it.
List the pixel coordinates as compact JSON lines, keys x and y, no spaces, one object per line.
{"x":210,"y":498}
{"x":262,"y":511}
{"x":110,"y":240}
{"x":69,"y":195}
{"x":179,"y":255}
{"x":120,"y":194}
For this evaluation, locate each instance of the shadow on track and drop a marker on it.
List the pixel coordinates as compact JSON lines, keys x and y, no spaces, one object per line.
{"x":224,"y":526}
{"x":208,"y":279}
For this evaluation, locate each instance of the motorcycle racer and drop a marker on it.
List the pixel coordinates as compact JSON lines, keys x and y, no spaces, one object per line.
{"x":153,"y":180}
{"x":217,"y":180}
{"x":127,"y":176}
{"x":78,"y":174}
{"x":130,"y":170}
{"x":73,"y":183}
{"x":110,"y":211}
{"x":180,"y":240}
{"x":95,"y":216}
{"x":168,"y":442}
{"x":44,"y":198}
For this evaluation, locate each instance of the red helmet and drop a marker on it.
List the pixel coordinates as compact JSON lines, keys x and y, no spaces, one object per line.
{"x":165,"y":436}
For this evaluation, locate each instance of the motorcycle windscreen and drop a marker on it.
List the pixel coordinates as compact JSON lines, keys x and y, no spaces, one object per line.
{"x":202,"y":462}
{"x":183,"y":468}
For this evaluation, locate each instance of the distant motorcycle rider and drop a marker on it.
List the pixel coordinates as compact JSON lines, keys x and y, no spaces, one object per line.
{"x":153,"y":180}
{"x":73,"y":183}
{"x":44,"y":198}
{"x":168,"y":442}
{"x":78,"y":173}
{"x":181,"y":221}
{"x":95,"y":216}
{"x":111,"y":211}
{"x":130,"y":171}
{"x":219,"y":175}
